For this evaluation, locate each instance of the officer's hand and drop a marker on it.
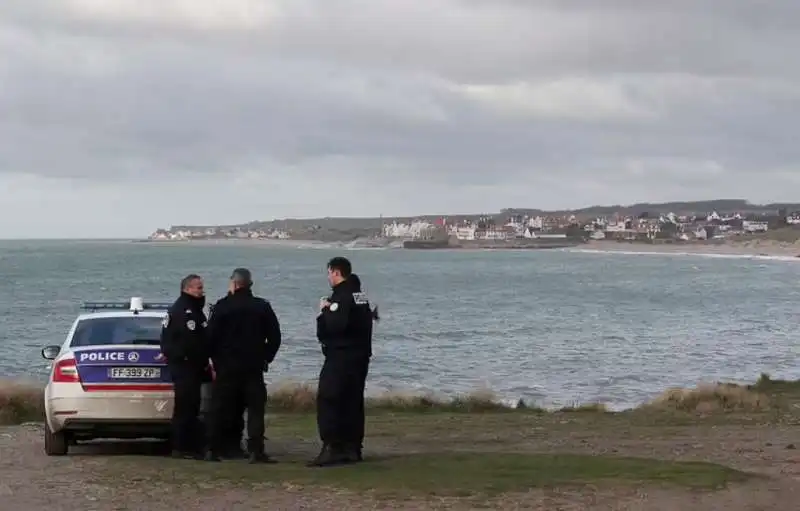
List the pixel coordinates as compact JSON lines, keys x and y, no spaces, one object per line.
{"x":324,"y":303}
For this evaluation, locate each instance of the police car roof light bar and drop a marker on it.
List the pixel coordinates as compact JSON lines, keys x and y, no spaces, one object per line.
{"x":135,"y":304}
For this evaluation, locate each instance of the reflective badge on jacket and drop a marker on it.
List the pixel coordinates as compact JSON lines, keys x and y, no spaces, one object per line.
{"x":360,"y":298}
{"x":334,"y":307}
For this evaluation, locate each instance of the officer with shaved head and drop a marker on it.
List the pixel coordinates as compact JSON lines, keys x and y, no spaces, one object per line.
{"x":245,"y":336}
{"x":184,"y":344}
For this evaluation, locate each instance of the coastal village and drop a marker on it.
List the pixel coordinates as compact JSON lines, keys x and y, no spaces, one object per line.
{"x":642,"y":228}
{"x":183,"y":234}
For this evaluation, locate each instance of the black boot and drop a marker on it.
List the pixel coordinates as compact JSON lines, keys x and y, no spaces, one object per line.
{"x":330,"y":455}
{"x":255,"y":458}
{"x":352,"y":453}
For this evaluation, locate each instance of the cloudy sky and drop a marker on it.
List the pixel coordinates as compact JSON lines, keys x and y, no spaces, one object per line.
{"x":120,"y":116}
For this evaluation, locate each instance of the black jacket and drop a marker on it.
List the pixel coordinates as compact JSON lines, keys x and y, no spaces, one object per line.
{"x":184,"y":337}
{"x":346,"y":325}
{"x":245,"y":333}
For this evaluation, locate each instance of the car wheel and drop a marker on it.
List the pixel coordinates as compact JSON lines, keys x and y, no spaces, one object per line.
{"x":55,"y":444}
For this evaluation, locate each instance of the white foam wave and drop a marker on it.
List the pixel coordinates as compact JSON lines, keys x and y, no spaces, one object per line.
{"x":319,"y":246}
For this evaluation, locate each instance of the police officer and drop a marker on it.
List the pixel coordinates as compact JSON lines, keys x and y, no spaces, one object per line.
{"x":245,"y":337}
{"x":234,"y":428}
{"x":184,"y":343}
{"x":344,"y":328}
{"x":358,"y":435}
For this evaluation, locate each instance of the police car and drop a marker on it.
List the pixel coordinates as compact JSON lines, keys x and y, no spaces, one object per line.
{"x":108,"y":379}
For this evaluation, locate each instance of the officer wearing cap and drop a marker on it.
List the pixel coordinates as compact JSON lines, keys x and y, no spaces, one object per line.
{"x":344,"y":329}
{"x":184,"y":343}
{"x":245,"y":336}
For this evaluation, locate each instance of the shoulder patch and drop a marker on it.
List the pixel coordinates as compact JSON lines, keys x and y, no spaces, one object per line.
{"x":334,"y":307}
{"x":190,"y":325}
{"x":165,"y":321}
{"x":360,"y":298}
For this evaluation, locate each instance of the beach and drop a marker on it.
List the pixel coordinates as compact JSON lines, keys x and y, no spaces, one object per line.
{"x":758,"y":247}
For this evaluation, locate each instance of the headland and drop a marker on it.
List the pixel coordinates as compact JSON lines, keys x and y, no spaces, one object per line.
{"x":718,"y":226}
{"x":716,"y":447}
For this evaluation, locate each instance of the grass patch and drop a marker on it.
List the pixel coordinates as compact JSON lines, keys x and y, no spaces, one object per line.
{"x":442,"y":474}
{"x":20,"y":402}
{"x":289,"y":398}
{"x":720,"y":397}
{"x":781,"y":235}
{"x":767,"y":385}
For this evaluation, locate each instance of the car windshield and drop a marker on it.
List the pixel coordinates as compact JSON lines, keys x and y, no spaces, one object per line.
{"x":145,"y":330}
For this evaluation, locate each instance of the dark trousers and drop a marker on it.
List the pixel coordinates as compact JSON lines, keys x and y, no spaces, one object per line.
{"x":234,"y":427}
{"x":230,"y":387}
{"x":186,"y":432}
{"x":340,"y":398}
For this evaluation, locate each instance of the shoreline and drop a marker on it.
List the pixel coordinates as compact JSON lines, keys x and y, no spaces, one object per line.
{"x":286,"y":390}
{"x":754,"y":248}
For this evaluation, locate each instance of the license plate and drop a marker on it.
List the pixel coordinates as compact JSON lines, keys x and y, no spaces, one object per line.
{"x":123,"y":373}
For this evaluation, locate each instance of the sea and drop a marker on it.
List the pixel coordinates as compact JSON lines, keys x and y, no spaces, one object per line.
{"x":551,"y":327}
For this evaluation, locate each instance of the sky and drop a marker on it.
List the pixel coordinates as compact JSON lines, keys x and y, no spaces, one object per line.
{"x":121,"y":116}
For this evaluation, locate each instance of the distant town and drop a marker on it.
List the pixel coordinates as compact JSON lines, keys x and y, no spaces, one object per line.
{"x":628,"y":224}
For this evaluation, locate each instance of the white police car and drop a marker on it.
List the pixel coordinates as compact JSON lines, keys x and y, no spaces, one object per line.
{"x":108,"y":379}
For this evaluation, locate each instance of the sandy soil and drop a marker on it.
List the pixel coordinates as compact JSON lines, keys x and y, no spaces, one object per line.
{"x":31,"y":481}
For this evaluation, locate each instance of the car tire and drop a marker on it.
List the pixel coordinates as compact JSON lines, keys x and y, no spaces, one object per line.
{"x":55,"y":444}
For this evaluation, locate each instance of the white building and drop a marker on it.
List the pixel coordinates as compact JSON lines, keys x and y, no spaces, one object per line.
{"x":403,"y":230}
{"x":464,"y":232}
{"x":748,"y":226}
{"x":536,"y":223}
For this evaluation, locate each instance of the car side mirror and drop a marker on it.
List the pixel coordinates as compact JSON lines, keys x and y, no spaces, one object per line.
{"x":51,"y":352}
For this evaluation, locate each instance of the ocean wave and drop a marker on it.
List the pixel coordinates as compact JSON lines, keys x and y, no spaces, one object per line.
{"x":318,"y":246}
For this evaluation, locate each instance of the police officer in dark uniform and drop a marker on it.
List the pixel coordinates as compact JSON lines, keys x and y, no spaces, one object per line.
{"x":344,"y":328}
{"x":245,"y":337}
{"x":185,"y":345}
{"x":358,"y":434}
{"x":234,"y":429}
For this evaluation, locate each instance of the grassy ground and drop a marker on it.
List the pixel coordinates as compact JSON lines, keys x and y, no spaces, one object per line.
{"x":475,"y":451}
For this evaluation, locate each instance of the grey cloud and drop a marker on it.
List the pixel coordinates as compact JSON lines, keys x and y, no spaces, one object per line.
{"x":611,"y":91}
{"x":467,"y":40}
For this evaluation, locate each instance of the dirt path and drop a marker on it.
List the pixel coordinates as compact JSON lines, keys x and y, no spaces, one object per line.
{"x":31,"y":481}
